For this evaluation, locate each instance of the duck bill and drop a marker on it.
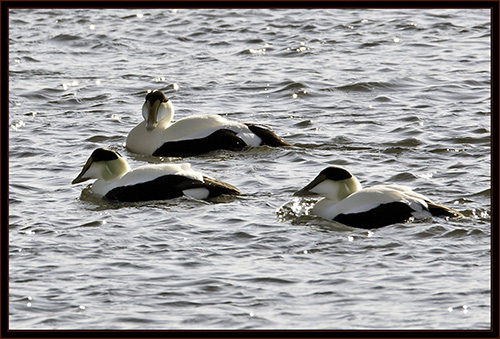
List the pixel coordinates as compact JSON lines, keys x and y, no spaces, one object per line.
{"x":306,"y":191}
{"x":152,"y":116}
{"x":80,"y":177}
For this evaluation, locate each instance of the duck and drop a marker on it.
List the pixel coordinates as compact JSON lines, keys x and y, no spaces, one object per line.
{"x":116,"y":181}
{"x":347,"y":202}
{"x":193,"y":135}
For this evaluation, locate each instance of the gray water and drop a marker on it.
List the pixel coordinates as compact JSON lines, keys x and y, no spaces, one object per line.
{"x":395,"y":96}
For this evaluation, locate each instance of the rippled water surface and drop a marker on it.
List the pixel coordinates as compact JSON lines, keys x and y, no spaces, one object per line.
{"x":396,"y":96}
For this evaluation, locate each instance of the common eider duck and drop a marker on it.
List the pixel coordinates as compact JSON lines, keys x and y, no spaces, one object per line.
{"x":116,"y":181}
{"x":193,"y":135}
{"x":346,"y":202}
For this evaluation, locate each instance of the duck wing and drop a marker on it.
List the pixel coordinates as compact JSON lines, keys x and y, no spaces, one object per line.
{"x":428,"y":205}
{"x":379,"y":206}
{"x":369,"y":208}
{"x":170,"y":186}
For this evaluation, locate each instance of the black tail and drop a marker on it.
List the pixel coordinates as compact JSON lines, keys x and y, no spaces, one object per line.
{"x":443,"y":211}
{"x":217,"y":187}
{"x":268,"y":137}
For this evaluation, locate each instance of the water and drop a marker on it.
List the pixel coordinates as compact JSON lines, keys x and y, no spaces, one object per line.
{"x":395,"y":96}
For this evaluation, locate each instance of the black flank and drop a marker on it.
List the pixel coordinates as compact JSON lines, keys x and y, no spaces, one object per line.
{"x":382,"y":215}
{"x":165,"y":187}
{"x":168,"y":187}
{"x":220,"y":139}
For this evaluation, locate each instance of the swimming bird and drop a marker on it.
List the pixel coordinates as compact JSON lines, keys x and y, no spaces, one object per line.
{"x":346,"y":202}
{"x":116,"y":181}
{"x":192,"y":135}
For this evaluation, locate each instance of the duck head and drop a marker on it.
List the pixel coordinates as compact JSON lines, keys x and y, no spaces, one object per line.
{"x":103,"y":164}
{"x":156,"y":108}
{"x":334,"y":183}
